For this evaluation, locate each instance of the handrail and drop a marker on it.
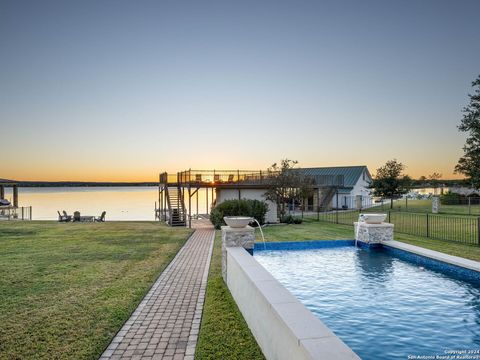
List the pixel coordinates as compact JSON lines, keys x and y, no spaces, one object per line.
{"x":216,"y":176}
{"x":196,"y":177}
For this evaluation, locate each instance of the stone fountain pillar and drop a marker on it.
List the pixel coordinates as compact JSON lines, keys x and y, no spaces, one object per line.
{"x":372,"y":234}
{"x":236,"y":237}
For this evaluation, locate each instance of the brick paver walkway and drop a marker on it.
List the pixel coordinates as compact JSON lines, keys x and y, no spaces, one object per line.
{"x":166,"y":323}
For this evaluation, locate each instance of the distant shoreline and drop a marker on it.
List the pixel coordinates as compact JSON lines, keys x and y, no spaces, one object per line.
{"x":81,"y":184}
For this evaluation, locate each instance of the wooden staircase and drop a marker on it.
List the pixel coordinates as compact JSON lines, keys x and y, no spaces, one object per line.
{"x":327,"y":195}
{"x":176,"y":207}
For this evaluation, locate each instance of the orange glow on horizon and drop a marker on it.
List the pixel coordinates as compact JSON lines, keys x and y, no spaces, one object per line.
{"x":114,"y":174}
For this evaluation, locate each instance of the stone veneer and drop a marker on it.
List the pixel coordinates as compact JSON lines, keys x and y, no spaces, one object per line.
{"x":373,"y":233}
{"x":236,"y":237}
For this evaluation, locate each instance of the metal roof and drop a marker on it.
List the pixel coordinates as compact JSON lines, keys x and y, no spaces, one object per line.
{"x":349,"y":174}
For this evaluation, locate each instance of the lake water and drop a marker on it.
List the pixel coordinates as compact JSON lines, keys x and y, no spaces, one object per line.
{"x":120,"y":203}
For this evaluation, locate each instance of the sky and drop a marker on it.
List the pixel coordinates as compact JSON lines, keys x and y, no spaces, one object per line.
{"x":118,"y":90}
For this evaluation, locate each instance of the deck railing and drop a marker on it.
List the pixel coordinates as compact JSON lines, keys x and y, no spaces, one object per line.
{"x":15,"y":213}
{"x":217,"y":177}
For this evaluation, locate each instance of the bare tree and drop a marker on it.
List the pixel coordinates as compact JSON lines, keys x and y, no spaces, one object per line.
{"x":288,"y":184}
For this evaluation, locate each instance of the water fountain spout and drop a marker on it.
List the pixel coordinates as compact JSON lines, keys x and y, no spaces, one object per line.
{"x":360,"y":219}
{"x":261,"y":232}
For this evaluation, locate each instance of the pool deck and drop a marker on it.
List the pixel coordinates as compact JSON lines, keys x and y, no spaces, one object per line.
{"x":166,"y":323}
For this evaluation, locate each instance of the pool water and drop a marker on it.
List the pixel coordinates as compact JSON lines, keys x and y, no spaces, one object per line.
{"x":379,"y":305}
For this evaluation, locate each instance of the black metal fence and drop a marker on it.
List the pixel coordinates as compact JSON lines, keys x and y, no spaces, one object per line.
{"x":464,"y":229}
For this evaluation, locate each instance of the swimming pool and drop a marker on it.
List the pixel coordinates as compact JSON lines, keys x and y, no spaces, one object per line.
{"x":382,"y":302}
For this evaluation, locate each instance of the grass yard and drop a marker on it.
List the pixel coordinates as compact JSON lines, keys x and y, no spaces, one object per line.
{"x":425,"y":206}
{"x":224,"y":334}
{"x":67,"y":288}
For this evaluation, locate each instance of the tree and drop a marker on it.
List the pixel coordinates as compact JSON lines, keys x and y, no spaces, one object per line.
{"x":390,"y":182}
{"x":434,"y":181}
{"x":287,"y":184}
{"x":469,"y":163}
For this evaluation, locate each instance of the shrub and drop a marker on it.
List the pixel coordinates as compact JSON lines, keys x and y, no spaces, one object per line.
{"x":244,"y":207}
{"x":289,"y":219}
{"x":450,"y":198}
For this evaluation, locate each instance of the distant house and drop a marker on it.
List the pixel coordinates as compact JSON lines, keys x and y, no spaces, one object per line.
{"x":344,"y":187}
{"x":339,"y":187}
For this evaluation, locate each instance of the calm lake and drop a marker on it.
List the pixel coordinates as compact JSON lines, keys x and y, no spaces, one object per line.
{"x":120,"y":203}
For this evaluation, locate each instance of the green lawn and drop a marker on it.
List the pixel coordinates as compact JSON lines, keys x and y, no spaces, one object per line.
{"x":425,"y":206}
{"x":224,"y":334}
{"x":67,"y":288}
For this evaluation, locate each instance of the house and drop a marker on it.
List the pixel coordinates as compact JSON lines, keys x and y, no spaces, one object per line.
{"x":333,"y":187}
{"x":343,"y":187}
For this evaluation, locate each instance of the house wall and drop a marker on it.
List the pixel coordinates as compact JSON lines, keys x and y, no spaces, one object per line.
{"x":361,"y":187}
{"x":348,"y":198}
{"x":252,"y":194}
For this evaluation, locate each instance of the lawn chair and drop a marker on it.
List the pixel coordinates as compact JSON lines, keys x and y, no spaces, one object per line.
{"x":76,"y":216}
{"x":60,"y":217}
{"x":198,"y":178}
{"x":67,"y":217}
{"x":101,"y":218}
{"x":231,"y":177}
{"x":216,"y":178}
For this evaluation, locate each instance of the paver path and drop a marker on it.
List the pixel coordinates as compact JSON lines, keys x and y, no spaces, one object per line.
{"x":166,"y":323}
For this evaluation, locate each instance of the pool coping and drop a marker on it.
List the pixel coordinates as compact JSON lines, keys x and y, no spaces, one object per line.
{"x":436,"y":255}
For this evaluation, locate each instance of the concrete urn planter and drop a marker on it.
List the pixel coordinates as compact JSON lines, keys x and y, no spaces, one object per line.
{"x":237,"y":221}
{"x":374,"y":218}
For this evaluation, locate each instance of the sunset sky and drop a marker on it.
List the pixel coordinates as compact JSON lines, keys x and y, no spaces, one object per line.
{"x":120,"y":90}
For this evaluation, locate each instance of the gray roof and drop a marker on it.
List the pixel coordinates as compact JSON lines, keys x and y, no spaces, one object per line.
{"x":346,"y":176}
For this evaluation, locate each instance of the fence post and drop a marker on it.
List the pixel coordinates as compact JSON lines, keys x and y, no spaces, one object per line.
{"x":389,"y":220}
{"x":478,"y":230}
{"x":428,"y":227}
{"x":336,"y":216}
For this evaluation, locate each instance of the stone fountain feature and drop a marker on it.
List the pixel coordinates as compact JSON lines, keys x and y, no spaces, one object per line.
{"x":371,"y":229}
{"x":237,"y":233}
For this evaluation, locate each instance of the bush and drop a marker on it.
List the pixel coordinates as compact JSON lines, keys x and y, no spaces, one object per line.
{"x":289,"y":219}
{"x":244,"y":207}
{"x":450,"y":198}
